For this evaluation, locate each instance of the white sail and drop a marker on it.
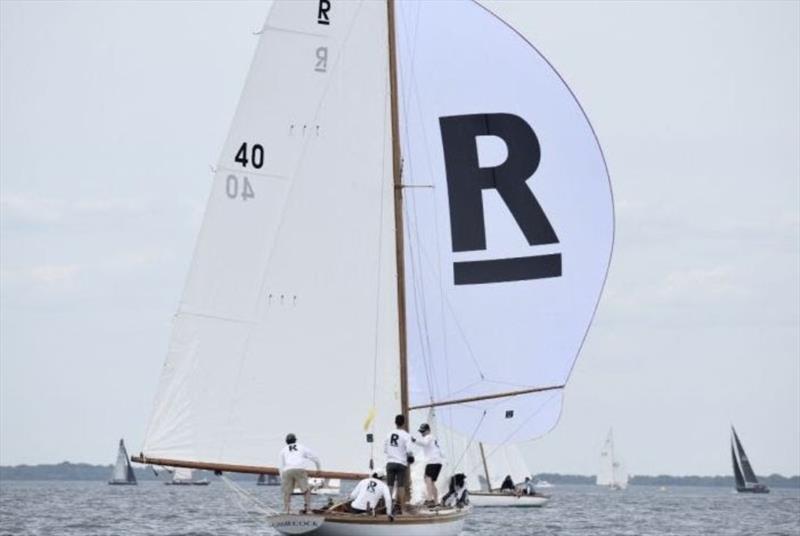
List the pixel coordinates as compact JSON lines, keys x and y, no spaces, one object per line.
{"x":182,"y":474}
{"x":292,"y":290}
{"x":611,"y":470}
{"x":122,"y":472}
{"x":509,"y":221}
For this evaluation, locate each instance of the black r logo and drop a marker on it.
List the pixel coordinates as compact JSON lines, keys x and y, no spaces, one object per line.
{"x":393,"y":439}
{"x":322,"y":12}
{"x":466,"y":181}
{"x":371,"y":486}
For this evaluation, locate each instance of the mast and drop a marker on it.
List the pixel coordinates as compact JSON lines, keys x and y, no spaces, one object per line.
{"x":398,"y":211}
{"x":485,"y":468}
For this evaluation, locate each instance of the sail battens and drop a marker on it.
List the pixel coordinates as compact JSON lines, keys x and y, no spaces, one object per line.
{"x":216,"y":317}
{"x":506,"y":394}
{"x":506,"y":270}
{"x":251,"y":173}
{"x":234,"y":468}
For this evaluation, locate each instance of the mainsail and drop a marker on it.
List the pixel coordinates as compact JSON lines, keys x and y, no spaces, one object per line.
{"x":292,"y":289}
{"x":747,"y":469}
{"x":319,"y":266}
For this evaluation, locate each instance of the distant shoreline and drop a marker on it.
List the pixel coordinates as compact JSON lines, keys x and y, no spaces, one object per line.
{"x":67,"y":471}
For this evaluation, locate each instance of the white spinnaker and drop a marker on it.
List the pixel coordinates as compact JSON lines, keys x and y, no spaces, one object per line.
{"x":469,"y":340}
{"x":289,"y":315}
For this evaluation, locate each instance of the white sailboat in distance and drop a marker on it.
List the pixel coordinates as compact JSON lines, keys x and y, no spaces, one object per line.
{"x":396,"y":174}
{"x":183,"y":476}
{"x":612,"y":472}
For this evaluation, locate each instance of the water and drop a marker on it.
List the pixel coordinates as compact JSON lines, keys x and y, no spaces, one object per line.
{"x":151,"y":508}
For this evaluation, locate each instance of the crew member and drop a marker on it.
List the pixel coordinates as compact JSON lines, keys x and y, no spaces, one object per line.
{"x":433,"y":461}
{"x":294,"y":459}
{"x":397,"y":448}
{"x":368,"y":493}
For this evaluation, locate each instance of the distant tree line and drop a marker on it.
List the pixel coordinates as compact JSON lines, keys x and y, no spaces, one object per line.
{"x":773,"y":481}
{"x":85,"y":471}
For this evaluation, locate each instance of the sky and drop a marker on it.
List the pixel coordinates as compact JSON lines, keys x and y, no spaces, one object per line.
{"x":111,"y":115}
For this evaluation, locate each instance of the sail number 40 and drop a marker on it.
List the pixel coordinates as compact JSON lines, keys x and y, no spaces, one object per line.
{"x":255,"y":154}
{"x":234,"y":187}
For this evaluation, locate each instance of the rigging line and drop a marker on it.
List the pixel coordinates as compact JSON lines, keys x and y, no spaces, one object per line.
{"x":424,"y":307}
{"x":410,"y":44}
{"x":428,"y":160}
{"x":416,"y":311}
{"x":416,"y":264}
{"x":421,"y":308}
{"x":471,"y":439}
{"x":241,"y":494}
{"x":380,"y":259}
{"x":531,"y":416}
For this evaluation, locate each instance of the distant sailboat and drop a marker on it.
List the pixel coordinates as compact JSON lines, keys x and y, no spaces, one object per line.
{"x":612,"y":473}
{"x":746,"y":481}
{"x":122,"y":475}
{"x":268,"y":480}
{"x":184,"y":477}
{"x":505,"y":460}
{"x":323,"y":486}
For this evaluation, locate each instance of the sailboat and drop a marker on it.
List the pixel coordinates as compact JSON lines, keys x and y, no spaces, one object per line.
{"x":268,"y":480}
{"x":612,"y":473}
{"x":501,"y":462}
{"x":325,"y":486}
{"x":183,"y":476}
{"x":746,"y":481}
{"x":352,"y":178}
{"x":122,"y":474}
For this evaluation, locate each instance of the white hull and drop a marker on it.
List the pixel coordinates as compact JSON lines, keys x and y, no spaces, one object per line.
{"x":448,"y":523}
{"x":484,"y":500}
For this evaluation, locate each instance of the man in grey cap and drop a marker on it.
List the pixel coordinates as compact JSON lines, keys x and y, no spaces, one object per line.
{"x":433,"y":461}
{"x":294,"y":460}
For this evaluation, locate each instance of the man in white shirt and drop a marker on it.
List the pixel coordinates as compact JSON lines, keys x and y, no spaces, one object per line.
{"x":366,"y":495}
{"x":397,"y":448}
{"x":294,"y":459}
{"x":433,"y":461}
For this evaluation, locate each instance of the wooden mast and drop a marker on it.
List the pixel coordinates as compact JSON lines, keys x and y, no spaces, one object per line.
{"x":485,"y":468}
{"x":398,"y":211}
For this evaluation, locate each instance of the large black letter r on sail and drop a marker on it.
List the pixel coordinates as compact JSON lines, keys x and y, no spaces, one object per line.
{"x":466,"y":181}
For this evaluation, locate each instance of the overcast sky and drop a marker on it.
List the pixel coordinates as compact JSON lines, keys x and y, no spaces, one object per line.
{"x":111,"y":114}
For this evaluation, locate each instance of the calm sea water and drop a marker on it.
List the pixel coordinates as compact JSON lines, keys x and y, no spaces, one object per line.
{"x":151,"y":508}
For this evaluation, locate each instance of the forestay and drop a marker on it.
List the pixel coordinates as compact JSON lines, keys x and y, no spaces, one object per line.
{"x":291,"y":297}
{"x":509,"y":222}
